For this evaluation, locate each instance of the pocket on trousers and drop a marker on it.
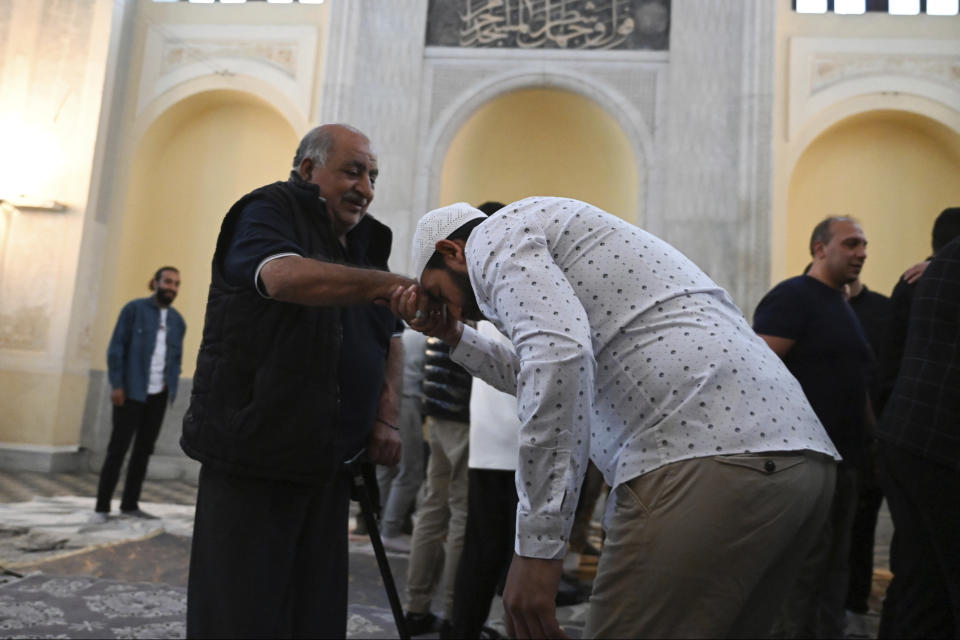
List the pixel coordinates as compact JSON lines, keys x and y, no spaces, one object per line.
{"x":761,"y":463}
{"x":641,"y":494}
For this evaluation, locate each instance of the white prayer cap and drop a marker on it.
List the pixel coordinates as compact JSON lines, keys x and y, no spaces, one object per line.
{"x":438,"y":225}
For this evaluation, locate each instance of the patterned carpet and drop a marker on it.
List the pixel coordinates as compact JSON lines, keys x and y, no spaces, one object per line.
{"x":41,"y":606}
{"x":128,"y":578}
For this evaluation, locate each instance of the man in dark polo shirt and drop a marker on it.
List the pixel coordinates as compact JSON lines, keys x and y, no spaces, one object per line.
{"x":807,"y":321}
{"x":298,"y":370}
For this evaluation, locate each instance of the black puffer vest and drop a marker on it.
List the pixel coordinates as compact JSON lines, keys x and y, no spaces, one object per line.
{"x":446,"y":385}
{"x":265,"y":398}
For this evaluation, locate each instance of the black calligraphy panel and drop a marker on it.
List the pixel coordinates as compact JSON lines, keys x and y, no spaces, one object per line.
{"x":549,"y":24}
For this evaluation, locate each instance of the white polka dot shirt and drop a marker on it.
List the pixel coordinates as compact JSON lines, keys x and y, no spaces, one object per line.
{"x":623,"y":350}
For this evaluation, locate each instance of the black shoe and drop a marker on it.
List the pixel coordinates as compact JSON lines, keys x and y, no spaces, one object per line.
{"x":446,"y":631}
{"x":419,"y":624}
{"x":589,"y":550}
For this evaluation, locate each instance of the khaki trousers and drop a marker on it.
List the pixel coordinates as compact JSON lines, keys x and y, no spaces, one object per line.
{"x":440,"y":521}
{"x":708,"y":547}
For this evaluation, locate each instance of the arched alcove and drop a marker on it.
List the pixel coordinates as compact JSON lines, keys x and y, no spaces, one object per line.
{"x":195,"y":160}
{"x":893,"y":170}
{"x":542,"y":141}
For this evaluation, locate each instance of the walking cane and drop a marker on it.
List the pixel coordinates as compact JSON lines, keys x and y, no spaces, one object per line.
{"x":355,"y":466}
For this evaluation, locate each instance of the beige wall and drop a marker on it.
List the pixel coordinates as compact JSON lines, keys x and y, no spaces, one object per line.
{"x":893,"y":171}
{"x":143,"y":150}
{"x":194,"y":162}
{"x":542,"y":142}
{"x":52,"y":72}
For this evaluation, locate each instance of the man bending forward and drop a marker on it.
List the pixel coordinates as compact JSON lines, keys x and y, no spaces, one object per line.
{"x":622,"y":348}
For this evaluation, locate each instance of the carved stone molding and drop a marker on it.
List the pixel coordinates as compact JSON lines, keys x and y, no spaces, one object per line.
{"x":627,"y":85}
{"x":282,"y":56}
{"x":827,"y":71}
{"x":279,"y":54}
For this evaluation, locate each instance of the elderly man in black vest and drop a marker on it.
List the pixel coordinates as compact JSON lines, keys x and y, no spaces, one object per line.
{"x":299,"y":369}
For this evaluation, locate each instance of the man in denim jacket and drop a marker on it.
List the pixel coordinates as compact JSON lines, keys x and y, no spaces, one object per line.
{"x":143,"y":362}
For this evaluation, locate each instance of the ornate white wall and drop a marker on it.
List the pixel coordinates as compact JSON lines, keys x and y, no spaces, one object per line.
{"x":372,"y":79}
{"x":699,"y":117}
{"x":719,"y":143}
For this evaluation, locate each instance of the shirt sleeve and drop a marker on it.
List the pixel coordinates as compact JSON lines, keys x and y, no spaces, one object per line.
{"x":520,"y":286}
{"x":119,"y":344}
{"x":491,"y":361}
{"x":262,"y":234}
{"x":781,"y":312}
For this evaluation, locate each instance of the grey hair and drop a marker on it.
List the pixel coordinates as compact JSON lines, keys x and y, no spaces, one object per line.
{"x":317,"y":143}
{"x":822,"y":232}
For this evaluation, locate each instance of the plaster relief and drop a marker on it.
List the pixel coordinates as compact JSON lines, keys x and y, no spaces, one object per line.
{"x":831,"y":69}
{"x":280,"y":55}
{"x":281,"y":58}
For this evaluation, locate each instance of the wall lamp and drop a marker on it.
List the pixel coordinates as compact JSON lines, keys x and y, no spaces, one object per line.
{"x":34,"y":204}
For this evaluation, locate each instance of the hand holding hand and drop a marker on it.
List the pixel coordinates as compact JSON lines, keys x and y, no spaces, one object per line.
{"x":529,"y":598}
{"x":424,"y":315}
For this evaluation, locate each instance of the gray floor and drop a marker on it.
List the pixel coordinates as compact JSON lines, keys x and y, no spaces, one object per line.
{"x":104,"y":581}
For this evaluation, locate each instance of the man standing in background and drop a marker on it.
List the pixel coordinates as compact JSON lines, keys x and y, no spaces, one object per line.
{"x":807,"y":322}
{"x":399,"y":485}
{"x":920,"y":459}
{"x":143,"y":364}
{"x":945,"y":228}
{"x":873,"y":311}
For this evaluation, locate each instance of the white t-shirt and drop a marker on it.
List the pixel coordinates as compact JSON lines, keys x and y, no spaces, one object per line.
{"x":158,"y":361}
{"x":494,"y":425}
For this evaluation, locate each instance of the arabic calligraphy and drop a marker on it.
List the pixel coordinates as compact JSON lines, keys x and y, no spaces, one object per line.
{"x":563,"y":24}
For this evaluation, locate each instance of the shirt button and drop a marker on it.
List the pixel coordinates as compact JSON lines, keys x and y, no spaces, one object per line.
{"x":770,"y":466}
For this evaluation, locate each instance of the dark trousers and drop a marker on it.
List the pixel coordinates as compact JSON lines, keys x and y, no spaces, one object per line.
{"x":137,"y":422}
{"x":269,"y":558}
{"x":869,"y":499}
{"x":924,"y":595}
{"x":487,"y":548}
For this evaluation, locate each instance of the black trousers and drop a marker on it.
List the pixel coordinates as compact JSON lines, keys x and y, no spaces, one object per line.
{"x":269,"y":558}
{"x":862,"y":537}
{"x":487,"y":548}
{"x":137,"y":422}
{"x":924,"y":595}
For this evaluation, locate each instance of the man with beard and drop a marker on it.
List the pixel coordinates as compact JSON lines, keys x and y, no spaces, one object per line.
{"x":622,"y":350}
{"x":807,"y":321}
{"x":143,"y":365}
